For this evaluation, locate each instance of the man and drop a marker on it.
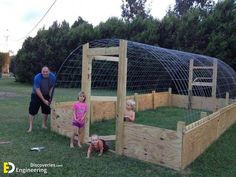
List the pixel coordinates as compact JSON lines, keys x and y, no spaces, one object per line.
{"x":43,"y":86}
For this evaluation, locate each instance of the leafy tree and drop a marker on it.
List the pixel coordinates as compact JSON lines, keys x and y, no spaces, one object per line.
{"x":80,"y":33}
{"x":198,"y":30}
{"x":46,"y":48}
{"x":112,"y":28}
{"x":222,"y":43}
{"x":182,"y":6}
{"x":168,"y":31}
{"x":191,"y":33}
{"x":134,"y":8}
{"x":144,"y":30}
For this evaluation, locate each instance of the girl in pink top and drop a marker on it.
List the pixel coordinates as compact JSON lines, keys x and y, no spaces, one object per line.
{"x":79,"y":115}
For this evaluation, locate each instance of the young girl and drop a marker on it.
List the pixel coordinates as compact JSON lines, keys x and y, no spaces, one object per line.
{"x":98,"y":145}
{"x":78,"y":120}
{"x":129,"y":112}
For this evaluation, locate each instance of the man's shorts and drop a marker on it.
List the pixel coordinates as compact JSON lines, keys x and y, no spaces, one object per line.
{"x":36,"y":103}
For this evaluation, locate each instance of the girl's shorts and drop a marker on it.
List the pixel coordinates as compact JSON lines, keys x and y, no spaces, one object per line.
{"x":78,"y":124}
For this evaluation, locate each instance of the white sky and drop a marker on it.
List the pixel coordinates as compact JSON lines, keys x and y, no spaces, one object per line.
{"x":20,"y":16}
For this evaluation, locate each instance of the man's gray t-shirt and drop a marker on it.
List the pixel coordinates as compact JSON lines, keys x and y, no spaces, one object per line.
{"x":44,"y":84}
{"x":44,"y":87}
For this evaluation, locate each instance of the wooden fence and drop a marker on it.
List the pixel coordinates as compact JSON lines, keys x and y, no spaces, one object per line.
{"x":173,"y":149}
{"x":102,"y":108}
{"x":153,"y":144}
{"x":198,"y":136}
{"x":176,"y":149}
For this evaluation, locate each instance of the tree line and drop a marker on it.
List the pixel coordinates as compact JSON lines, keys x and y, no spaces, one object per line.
{"x":197,"y":26}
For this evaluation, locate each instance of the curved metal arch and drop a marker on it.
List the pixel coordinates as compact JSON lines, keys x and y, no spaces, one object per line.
{"x":175,"y":63}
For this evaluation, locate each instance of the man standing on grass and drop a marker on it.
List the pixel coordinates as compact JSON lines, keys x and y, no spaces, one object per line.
{"x":43,"y":86}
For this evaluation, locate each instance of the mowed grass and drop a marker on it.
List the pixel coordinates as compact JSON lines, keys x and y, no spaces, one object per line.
{"x":218,"y":160}
{"x":164,"y":117}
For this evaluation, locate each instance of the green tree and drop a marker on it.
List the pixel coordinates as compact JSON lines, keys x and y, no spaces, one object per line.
{"x":46,"y":48}
{"x":133,"y":8}
{"x":80,"y":33}
{"x":209,"y":32}
{"x":182,"y":6}
{"x":112,"y":28}
{"x":168,"y":31}
{"x":191,"y":33}
{"x":144,"y":30}
{"x":222,"y":42}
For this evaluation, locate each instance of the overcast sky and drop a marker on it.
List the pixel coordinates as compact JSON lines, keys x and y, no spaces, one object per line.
{"x":20,"y":16}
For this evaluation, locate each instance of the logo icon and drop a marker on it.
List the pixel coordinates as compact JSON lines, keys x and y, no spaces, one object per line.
{"x":8,"y":167}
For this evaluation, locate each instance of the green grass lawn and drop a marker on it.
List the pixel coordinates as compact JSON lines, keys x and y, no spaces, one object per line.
{"x":218,"y":160}
{"x":163,"y":117}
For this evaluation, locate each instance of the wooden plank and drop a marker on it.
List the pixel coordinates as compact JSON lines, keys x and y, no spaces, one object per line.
{"x":180,"y":101}
{"x":190,"y":84}
{"x":214,"y":80}
{"x":103,"y":110}
{"x":121,"y":96}
{"x":63,"y":104}
{"x":145,"y":101}
{"x":190,"y":77}
{"x":153,"y":99}
{"x":153,"y":144}
{"x":170,"y":97}
{"x":197,"y":139}
{"x":203,"y":78}
{"x":61,"y":120}
{"x":207,"y":84}
{"x":103,"y":98}
{"x":106,"y":58}
{"x":108,"y":137}
{"x":208,"y":103}
{"x":181,"y":127}
{"x":202,"y":67}
{"x":226,"y":98}
{"x":161,"y":99}
{"x":203,"y":114}
{"x":86,"y":86}
{"x":103,"y":51}
{"x":136,"y":102}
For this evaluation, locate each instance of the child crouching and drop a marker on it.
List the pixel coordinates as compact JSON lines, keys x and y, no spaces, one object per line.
{"x":98,"y":145}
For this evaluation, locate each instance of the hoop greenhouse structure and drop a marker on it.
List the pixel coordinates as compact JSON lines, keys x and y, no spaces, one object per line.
{"x":111,"y":71}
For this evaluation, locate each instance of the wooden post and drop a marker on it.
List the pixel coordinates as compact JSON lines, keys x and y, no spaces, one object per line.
{"x":226,"y":98}
{"x":214,"y":84}
{"x":153,"y":99}
{"x":136,"y":101}
{"x":170,"y":96}
{"x":190,"y":86}
{"x":180,"y":127}
{"x":214,"y":79}
{"x":91,"y":111}
{"x":121,"y":96}
{"x":203,"y":114}
{"x":86,"y":86}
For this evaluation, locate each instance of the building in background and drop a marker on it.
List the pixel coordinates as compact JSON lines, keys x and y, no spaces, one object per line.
{"x":5,"y":59}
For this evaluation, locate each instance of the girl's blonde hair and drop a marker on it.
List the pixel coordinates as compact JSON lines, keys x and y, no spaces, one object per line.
{"x":94,"y":137}
{"x":131,"y":103}
{"x":83,"y":95}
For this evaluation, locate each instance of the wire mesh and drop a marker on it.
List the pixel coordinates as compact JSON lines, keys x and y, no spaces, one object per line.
{"x":150,"y":69}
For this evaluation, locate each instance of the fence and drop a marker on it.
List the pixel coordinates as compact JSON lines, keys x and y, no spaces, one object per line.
{"x":173,"y":149}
